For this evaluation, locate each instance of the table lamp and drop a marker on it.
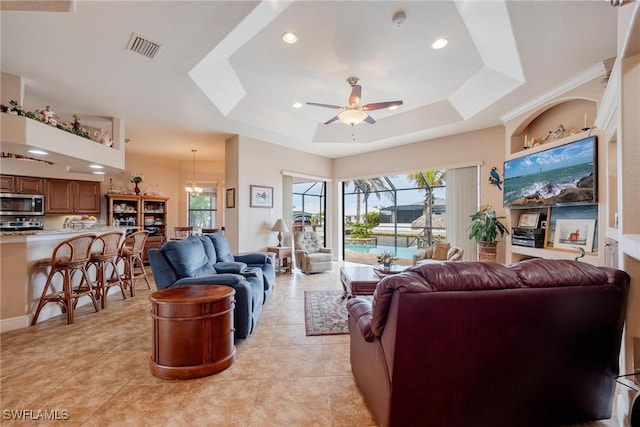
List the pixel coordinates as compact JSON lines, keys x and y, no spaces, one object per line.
{"x":280,"y":227}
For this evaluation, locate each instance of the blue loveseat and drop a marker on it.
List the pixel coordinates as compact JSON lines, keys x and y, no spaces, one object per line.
{"x":251,"y":259}
{"x":195,"y":261}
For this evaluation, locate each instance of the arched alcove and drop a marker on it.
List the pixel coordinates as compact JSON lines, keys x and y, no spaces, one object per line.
{"x":567,"y":116}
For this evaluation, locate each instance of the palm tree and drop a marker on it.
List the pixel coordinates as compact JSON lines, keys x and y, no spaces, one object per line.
{"x":426,"y":180}
{"x":368,"y":186}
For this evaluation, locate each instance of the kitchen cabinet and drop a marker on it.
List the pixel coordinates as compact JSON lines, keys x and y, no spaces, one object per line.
{"x":123,"y":210}
{"x":72,"y":197}
{"x":21,"y":184}
{"x":134,"y":210}
{"x":154,"y":208}
{"x":7,"y":183}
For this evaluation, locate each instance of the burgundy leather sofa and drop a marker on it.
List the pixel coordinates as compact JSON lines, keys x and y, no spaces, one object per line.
{"x":481,"y":344}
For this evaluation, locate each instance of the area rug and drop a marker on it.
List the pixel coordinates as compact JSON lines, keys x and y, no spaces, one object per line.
{"x":325,"y":313}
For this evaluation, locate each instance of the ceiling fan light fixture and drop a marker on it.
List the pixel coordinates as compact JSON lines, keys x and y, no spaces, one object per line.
{"x":297,"y":105}
{"x":352,"y":116}
{"x":289,"y":37}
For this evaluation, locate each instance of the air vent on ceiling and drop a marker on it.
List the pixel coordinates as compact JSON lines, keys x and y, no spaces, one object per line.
{"x":143,"y":46}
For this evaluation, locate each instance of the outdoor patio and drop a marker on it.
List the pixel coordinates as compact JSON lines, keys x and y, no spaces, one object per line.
{"x":369,"y":258}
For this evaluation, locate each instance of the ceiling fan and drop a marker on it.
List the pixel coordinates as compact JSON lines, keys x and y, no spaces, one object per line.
{"x":354,"y":113}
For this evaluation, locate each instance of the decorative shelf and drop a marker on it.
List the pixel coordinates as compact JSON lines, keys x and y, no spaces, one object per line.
{"x":20,"y":133}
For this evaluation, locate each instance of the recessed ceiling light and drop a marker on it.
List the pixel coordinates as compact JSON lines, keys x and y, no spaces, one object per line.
{"x":393,"y":107}
{"x":96,"y":167}
{"x":297,"y":105}
{"x":289,"y":37}
{"x":439,"y":43}
{"x":42,"y":153}
{"x":98,"y":173}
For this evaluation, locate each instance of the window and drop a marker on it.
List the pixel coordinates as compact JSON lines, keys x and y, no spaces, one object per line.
{"x":397,"y":213}
{"x":309,"y":205}
{"x":202,"y":208}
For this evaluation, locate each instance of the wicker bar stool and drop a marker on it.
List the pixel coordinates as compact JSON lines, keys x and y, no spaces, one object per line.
{"x":107,"y":257}
{"x":131,"y":253}
{"x":68,"y":258}
{"x":182,"y":232}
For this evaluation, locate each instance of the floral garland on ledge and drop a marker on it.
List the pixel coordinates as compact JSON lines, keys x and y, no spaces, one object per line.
{"x":47,"y":116}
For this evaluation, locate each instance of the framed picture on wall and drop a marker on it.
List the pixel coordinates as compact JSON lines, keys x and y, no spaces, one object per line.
{"x":261,"y":196}
{"x":231,"y":197}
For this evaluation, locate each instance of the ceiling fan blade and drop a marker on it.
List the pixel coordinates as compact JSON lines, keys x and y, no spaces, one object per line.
{"x":315,"y":104}
{"x":331,"y":120}
{"x":370,"y":120}
{"x":356,"y":92}
{"x":381,"y":105}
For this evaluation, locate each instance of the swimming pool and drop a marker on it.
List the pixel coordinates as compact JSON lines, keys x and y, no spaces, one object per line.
{"x":400,"y":252}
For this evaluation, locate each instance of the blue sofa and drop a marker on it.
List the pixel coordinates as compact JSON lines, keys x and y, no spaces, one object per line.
{"x":251,"y":259}
{"x":194,"y":261}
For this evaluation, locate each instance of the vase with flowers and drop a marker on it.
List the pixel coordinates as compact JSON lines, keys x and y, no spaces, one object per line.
{"x":137,"y":179}
{"x":387,"y":259}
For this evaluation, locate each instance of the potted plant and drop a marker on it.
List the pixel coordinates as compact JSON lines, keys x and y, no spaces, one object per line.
{"x":484,"y":229}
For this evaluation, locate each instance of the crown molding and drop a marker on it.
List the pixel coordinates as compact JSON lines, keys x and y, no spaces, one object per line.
{"x":578,"y":80}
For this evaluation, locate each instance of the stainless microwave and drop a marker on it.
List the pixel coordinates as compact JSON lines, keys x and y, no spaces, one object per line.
{"x":21,"y":204}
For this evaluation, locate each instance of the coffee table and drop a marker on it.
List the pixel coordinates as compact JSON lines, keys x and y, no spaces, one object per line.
{"x":359,"y":279}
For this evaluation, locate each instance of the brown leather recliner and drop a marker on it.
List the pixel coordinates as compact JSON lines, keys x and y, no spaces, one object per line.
{"x":481,"y":344}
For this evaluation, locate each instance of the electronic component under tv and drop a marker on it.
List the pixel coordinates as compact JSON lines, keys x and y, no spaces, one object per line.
{"x":559,"y":176}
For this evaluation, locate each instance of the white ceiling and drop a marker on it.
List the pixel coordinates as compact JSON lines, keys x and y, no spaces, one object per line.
{"x":224,"y":70}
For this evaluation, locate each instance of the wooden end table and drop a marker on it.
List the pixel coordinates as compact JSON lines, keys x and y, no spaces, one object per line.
{"x":192,"y":331}
{"x":283,"y":256}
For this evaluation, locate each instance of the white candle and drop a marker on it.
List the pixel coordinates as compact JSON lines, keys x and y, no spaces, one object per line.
{"x":585,"y":122}
{"x":526,"y":140}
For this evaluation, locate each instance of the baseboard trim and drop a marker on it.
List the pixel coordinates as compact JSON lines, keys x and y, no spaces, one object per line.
{"x":14,"y":323}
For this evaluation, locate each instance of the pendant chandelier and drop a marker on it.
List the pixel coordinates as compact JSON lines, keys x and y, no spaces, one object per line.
{"x":191,"y":187}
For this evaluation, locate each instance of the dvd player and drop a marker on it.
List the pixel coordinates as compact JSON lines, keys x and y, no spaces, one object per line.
{"x":529,"y":237}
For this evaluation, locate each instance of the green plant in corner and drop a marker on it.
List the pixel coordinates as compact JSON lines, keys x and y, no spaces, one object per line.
{"x":485,"y":225}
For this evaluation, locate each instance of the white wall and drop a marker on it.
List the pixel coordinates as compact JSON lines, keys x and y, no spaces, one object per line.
{"x":261,"y":163}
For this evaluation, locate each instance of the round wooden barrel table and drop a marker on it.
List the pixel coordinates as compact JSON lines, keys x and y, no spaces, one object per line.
{"x":192,"y":331}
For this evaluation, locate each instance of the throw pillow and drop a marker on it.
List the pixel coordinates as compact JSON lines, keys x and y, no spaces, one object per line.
{"x":440,"y":250}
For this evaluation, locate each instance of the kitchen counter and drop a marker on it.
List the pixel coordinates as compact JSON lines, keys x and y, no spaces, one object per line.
{"x":23,"y":280}
{"x":65,"y":231}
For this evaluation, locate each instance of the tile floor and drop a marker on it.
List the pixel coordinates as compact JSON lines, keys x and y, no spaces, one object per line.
{"x":96,"y":371}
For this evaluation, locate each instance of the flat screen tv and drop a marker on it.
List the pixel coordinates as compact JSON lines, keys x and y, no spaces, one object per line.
{"x":559,"y":176}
